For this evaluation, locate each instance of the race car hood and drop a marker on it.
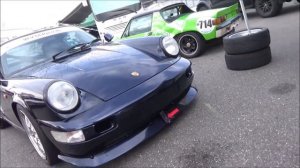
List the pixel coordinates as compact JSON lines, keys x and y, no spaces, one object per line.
{"x":105,"y":71}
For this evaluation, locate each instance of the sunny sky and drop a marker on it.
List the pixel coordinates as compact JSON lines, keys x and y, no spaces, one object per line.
{"x":34,"y":14}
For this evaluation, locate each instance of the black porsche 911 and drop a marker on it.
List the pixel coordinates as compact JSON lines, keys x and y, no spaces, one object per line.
{"x":87,"y":102}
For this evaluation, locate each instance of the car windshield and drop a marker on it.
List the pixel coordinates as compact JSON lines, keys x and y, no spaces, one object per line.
{"x":19,"y":55}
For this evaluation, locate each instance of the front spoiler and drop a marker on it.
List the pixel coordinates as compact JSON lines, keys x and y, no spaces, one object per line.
{"x":123,"y":147}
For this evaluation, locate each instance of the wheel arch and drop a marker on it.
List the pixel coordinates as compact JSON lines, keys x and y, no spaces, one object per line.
{"x":280,"y":1}
{"x":199,"y":34}
{"x":18,"y":101}
{"x":200,"y":4}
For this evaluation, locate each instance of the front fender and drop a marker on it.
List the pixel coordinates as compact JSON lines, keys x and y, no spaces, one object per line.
{"x":29,"y":93}
{"x":147,"y":45}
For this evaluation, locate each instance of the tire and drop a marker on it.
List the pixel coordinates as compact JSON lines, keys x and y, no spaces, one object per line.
{"x":50,"y":151}
{"x":248,"y":60}
{"x":268,"y":8}
{"x":241,"y":42}
{"x":3,"y":123}
{"x":191,"y":45}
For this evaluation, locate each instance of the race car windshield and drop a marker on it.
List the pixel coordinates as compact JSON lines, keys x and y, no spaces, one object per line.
{"x":40,"y":50}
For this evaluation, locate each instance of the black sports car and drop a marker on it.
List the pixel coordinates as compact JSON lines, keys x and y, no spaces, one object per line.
{"x":87,"y":102}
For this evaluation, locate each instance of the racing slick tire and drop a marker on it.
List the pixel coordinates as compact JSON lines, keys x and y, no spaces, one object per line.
{"x":268,"y":8}
{"x":241,"y":42}
{"x":45,"y":149}
{"x":3,"y":123}
{"x":191,"y":44}
{"x":249,"y":60}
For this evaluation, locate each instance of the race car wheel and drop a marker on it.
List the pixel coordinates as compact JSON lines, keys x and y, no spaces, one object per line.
{"x":268,"y":8}
{"x":242,"y":42}
{"x":41,"y":144}
{"x":3,"y":123}
{"x":191,"y":45}
{"x":249,"y":60}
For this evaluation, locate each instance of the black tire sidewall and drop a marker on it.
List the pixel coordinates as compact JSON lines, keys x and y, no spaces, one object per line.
{"x":248,"y":60}
{"x":3,"y":123}
{"x":245,"y":44}
{"x":50,"y":150}
{"x":200,"y":42}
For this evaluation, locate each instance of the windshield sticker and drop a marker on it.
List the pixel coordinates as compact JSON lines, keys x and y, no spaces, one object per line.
{"x":41,"y":35}
{"x":23,"y":40}
{"x":205,"y":26}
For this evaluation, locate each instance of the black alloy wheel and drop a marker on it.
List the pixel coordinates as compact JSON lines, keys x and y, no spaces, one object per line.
{"x":45,"y":149}
{"x":191,"y":45}
{"x":188,"y":45}
{"x":268,"y":8}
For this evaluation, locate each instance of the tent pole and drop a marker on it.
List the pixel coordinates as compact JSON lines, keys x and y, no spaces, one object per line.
{"x":245,"y":15}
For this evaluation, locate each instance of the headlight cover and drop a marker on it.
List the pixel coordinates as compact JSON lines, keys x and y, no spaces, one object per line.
{"x":170,"y":45}
{"x":62,"y":96}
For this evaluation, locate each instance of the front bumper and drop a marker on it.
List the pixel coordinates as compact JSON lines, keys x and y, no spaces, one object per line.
{"x":126,"y":115}
{"x":119,"y":149}
{"x":227,"y":27}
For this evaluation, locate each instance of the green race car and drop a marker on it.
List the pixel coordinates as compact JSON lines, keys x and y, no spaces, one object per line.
{"x":190,"y":29}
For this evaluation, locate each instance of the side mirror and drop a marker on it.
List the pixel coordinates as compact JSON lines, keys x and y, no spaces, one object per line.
{"x":108,"y":37}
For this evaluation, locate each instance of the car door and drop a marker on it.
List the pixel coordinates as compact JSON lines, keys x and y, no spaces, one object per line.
{"x":6,"y":99}
{"x":139,"y":27}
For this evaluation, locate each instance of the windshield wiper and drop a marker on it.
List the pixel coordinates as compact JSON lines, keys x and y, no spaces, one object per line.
{"x":94,"y":41}
{"x":72,"y":50}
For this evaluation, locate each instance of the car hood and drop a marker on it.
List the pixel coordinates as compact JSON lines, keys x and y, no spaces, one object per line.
{"x":105,"y":71}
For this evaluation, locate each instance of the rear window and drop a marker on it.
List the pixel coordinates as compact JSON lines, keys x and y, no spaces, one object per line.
{"x":172,"y":13}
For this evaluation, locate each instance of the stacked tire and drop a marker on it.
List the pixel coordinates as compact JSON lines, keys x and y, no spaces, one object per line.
{"x":245,"y":51}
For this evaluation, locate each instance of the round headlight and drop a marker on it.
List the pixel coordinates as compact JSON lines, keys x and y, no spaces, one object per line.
{"x":62,"y":96}
{"x":170,"y":45}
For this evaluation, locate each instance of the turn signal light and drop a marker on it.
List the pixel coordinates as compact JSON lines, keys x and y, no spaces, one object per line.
{"x":219,"y":20}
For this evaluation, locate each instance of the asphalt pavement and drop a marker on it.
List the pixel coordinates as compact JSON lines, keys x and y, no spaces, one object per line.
{"x":241,"y":118}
